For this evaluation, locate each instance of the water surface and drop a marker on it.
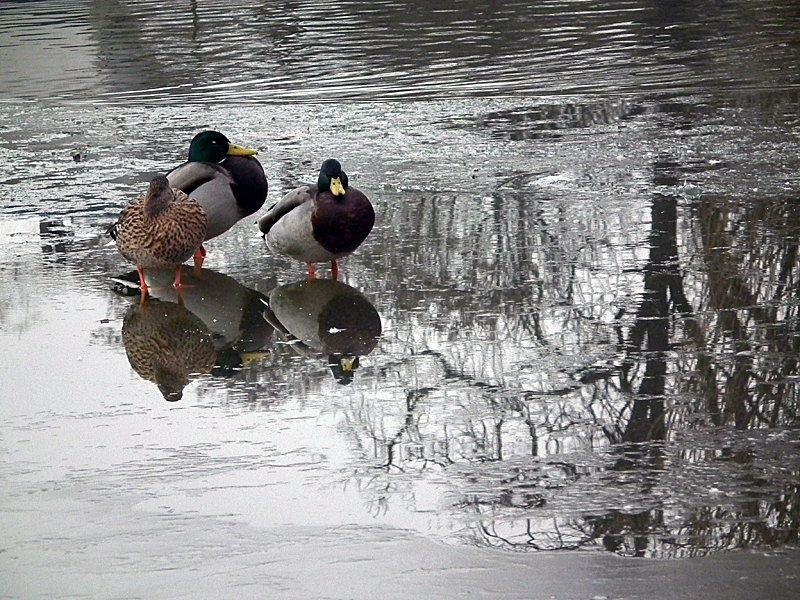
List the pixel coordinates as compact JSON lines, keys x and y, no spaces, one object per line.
{"x":584,"y":274}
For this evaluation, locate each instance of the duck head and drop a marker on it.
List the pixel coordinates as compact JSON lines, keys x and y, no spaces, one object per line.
{"x":213,"y":147}
{"x":331,"y":178}
{"x":158,"y":198}
{"x":343,"y":367}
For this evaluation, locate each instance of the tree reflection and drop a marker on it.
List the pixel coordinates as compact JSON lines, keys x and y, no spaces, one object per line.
{"x":579,"y":392}
{"x":572,"y":361}
{"x":750,"y":254}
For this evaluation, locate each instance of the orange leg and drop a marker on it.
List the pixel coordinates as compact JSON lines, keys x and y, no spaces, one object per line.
{"x":311,"y":274}
{"x":142,"y":286}
{"x":199,"y":257}
{"x":334,"y":270}
{"x":177,"y":283}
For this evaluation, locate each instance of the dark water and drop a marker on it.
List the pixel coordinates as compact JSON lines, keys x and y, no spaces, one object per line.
{"x":576,"y":318}
{"x":296,"y":51}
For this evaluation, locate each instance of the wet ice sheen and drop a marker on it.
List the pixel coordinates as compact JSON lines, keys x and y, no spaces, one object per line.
{"x":480,"y":341}
{"x":584,"y":267}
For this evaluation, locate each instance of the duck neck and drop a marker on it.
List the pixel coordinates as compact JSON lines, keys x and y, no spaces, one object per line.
{"x":157,"y":199}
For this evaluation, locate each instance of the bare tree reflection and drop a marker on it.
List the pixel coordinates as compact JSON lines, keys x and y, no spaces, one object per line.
{"x":751,"y":259}
{"x":554,"y":371}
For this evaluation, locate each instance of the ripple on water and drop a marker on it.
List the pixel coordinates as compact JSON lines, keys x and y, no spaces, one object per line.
{"x":151,"y":51}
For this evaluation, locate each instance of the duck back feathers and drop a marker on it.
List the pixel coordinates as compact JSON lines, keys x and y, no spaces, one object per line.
{"x":162,"y":229}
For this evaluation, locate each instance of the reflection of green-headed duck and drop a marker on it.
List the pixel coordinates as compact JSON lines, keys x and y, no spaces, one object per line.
{"x":168,"y":345}
{"x":160,"y":230}
{"x":319,"y":223}
{"x":227,"y":181}
{"x":231,"y":312}
{"x":327,"y":317}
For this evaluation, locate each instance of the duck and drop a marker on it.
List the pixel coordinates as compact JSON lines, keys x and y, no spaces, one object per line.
{"x":160,"y":230}
{"x":226,"y":179}
{"x":319,"y":223}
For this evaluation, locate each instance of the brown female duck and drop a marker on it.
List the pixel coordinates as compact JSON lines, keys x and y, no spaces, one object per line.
{"x":161,"y":230}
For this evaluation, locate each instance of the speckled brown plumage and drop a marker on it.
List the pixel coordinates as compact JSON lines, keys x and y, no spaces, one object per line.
{"x":168,"y":345}
{"x":161,"y":230}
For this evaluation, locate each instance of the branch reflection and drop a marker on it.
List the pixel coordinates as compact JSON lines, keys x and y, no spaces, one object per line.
{"x":568,"y":390}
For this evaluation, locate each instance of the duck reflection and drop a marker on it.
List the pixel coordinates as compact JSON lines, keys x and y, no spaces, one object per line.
{"x":168,"y":345}
{"x":328,"y":319}
{"x":214,"y":326}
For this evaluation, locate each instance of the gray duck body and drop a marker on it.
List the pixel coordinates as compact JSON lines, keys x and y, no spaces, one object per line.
{"x":227,"y":181}
{"x":313,"y":224}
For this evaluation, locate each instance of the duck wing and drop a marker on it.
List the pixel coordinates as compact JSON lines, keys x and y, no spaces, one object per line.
{"x":227,"y":192}
{"x":212,"y":186}
{"x":191,"y":175}
{"x":297,"y":197}
{"x":248,"y":183}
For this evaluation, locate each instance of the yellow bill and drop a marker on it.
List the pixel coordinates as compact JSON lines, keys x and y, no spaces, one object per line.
{"x":337,"y":189}
{"x":248,"y":358}
{"x":234,"y":150}
{"x":348,"y":364}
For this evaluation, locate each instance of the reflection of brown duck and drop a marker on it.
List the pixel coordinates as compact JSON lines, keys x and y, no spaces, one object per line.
{"x":168,"y":345}
{"x":328,"y":317}
{"x":230,"y":311}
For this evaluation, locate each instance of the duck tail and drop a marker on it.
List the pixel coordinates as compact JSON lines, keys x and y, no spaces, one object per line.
{"x":113,"y":231}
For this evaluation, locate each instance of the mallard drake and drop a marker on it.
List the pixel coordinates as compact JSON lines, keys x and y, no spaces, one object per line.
{"x":160,"y":230}
{"x":319,"y":223}
{"x":224,"y":178}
